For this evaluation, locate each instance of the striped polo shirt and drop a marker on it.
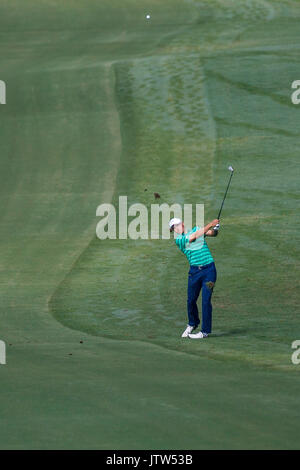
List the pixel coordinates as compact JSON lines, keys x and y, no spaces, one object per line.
{"x":197,"y":252}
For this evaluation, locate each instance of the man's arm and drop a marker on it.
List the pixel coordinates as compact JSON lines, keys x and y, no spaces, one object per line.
{"x":203,"y":231}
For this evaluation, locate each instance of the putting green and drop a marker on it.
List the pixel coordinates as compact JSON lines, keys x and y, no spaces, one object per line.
{"x":103,"y":103}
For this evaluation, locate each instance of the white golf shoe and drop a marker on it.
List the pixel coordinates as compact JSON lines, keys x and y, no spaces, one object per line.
{"x":198,"y":335}
{"x":187,"y":331}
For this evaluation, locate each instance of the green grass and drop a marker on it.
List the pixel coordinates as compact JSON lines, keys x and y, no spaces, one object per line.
{"x":101,"y":103}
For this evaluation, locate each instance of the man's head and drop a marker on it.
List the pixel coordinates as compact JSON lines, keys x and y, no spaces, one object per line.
{"x":176,"y":225}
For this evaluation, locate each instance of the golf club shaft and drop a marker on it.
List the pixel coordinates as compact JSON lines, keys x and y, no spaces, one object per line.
{"x":219,"y":215}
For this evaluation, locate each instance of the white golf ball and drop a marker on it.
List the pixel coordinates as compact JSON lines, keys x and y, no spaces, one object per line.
{"x":148,"y":17}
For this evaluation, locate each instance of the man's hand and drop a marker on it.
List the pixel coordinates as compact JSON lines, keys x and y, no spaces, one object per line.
{"x":215,"y":222}
{"x":203,"y":231}
{"x":213,"y":232}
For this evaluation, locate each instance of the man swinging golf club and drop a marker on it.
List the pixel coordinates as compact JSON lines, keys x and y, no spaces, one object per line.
{"x":202,"y":273}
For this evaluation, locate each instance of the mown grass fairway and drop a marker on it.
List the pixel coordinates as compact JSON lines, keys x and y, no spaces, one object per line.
{"x":103,"y":103}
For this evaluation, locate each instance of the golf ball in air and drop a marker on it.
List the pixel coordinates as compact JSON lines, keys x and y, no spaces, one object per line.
{"x":148,"y":17}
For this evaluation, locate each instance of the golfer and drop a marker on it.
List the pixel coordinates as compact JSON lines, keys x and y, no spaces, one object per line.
{"x":202,"y":273}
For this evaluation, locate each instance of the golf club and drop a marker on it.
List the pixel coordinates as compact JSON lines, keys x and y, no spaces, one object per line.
{"x":230,"y":168}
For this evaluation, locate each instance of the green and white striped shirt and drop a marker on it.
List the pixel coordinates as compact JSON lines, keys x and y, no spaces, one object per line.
{"x":197,"y":252}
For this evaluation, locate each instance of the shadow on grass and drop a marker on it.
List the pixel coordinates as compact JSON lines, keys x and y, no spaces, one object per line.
{"x":237,"y":331}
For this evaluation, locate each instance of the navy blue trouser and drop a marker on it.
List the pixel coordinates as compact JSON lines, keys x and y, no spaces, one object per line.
{"x":201,"y":277}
